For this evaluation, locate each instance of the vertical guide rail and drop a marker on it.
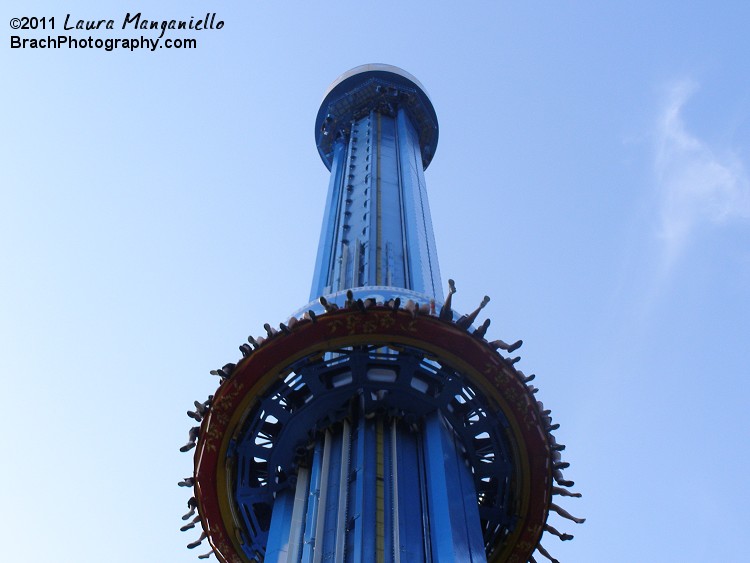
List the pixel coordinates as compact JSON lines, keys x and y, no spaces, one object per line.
{"x":379,"y":493}
{"x":312,"y":504}
{"x":322,"y":500}
{"x":298,"y":515}
{"x":394,"y":488}
{"x":343,"y":492}
{"x":358,"y":509}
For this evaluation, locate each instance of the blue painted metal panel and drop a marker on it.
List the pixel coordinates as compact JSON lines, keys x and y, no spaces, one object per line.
{"x":377,"y":230}
{"x":278,"y":536}
{"x":327,"y":536}
{"x":412,"y":497}
{"x":327,"y":242}
{"x":420,"y":239}
{"x":438,"y":497}
{"x":451,"y":518}
{"x":389,"y":208}
{"x":466,"y":498}
{"x":467,"y":537}
{"x":312,"y":504}
{"x":367,"y":507}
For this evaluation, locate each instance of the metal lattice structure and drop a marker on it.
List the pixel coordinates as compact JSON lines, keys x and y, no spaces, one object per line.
{"x":376,"y":424}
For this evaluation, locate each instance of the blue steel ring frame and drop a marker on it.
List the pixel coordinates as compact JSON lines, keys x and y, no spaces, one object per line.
{"x":270,"y":399}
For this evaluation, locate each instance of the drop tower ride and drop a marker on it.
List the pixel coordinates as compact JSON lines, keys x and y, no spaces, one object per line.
{"x":377,"y":423}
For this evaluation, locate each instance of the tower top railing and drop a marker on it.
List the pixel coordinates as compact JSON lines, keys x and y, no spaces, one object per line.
{"x":374,"y":87}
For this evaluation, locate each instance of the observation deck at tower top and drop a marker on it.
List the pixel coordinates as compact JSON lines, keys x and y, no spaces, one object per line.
{"x":366,"y":87}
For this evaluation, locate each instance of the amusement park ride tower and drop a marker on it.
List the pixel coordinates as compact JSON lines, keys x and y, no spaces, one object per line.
{"x":376,"y":424}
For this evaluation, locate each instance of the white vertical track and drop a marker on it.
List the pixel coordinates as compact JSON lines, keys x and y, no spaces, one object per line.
{"x":343,"y":492}
{"x":322,"y":498}
{"x":394,"y":492}
{"x":298,"y":515}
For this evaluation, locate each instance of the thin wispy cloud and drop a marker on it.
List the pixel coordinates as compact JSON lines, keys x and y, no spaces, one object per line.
{"x":698,"y":183}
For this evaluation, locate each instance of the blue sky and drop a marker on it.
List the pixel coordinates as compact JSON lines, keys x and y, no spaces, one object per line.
{"x":592,"y":177}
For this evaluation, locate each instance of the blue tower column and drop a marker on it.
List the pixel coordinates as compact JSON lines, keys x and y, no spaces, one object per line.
{"x":380,"y":488}
{"x":378,"y":491}
{"x":377,"y":132}
{"x":377,"y":230}
{"x":366,"y":428}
